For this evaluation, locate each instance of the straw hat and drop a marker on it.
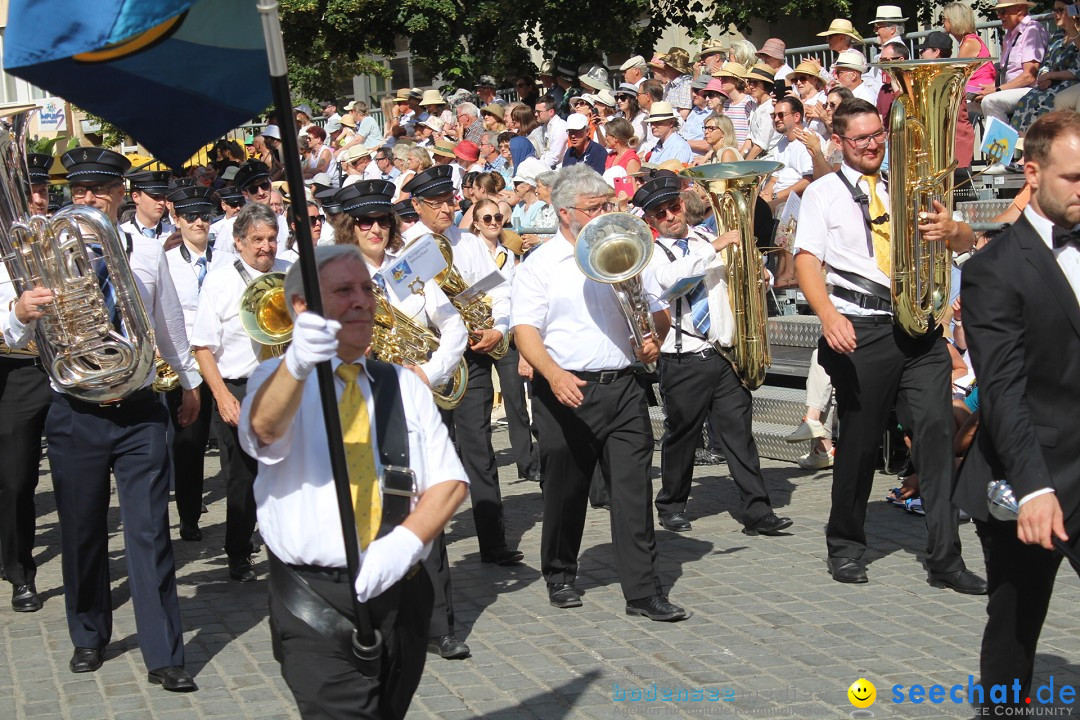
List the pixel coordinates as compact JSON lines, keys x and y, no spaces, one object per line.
{"x":850,"y":60}
{"x":732,"y":69}
{"x":494,"y":109}
{"x":888,"y":14}
{"x":1011,"y":3}
{"x":761,"y":72}
{"x":444,"y":148}
{"x":348,"y":120}
{"x":807,"y":67}
{"x":661,"y":111}
{"x":432,"y":97}
{"x":841,"y":26}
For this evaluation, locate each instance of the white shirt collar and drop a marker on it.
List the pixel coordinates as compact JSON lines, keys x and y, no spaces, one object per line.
{"x":1043,"y":226}
{"x":336,"y":362}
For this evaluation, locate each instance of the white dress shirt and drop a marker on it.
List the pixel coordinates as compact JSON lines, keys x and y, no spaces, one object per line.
{"x":1067,"y":256}
{"x":474,"y":262}
{"x":432,"y":310}
{"x":554,"y":139}
{"x":217,"y":319}
{"x":155,"y":285}
{"x":579,"y":319}
{"x":798,"y":163}
{"x":763,"y":132}
{"x":865,"y":91}
{"x":832,"y":228}
{"x":185,"y":276}
{"x":295,"y":496}
{"x":224,"y":242}
{"x":701,"y":259}
{"x":163,"y":230}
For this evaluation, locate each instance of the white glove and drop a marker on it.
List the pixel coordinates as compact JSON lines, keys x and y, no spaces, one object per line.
{"x":314,"y":339}
{"x":386,"y":561}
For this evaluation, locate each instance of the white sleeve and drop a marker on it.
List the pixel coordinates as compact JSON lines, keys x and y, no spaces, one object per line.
{"x":556,"y":148}
{"x":812,"y":231}
{"x":667,"y":273}
{"x":529,"y":298}
{"x":171,"y":330}
{"x":280,"y":448}
{"x":441,"y":462}
{"x":453,"y":335}
{"x":207,"y":330}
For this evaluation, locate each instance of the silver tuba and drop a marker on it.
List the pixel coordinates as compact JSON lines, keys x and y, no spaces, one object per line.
{"x":615,"y":249}
{"x":85,"y":356}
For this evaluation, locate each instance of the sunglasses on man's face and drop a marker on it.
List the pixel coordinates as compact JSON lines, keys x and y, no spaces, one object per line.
{"x":190,"y":217}
{"x":254,"y":187}
{"x":488,"y":219}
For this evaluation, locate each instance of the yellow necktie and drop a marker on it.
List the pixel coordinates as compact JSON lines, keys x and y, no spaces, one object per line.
{"x":881,"y":232}
{"x":356,"y":431}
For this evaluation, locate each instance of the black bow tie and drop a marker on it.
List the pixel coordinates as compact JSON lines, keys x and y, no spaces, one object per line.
{"x":1063,"y":237}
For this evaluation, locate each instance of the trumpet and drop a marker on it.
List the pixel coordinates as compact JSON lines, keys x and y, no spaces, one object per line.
{"x":264,"y":315}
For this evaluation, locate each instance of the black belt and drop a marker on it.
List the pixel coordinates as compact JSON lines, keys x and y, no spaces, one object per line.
{"x":703,"y":354}
{"x":603,"y":377}
{"x":235,"y":381}
{"x":870,"y":319}
{"x":144,"y":395}
{"x":335,"y":574}
{"x":863,"y":300}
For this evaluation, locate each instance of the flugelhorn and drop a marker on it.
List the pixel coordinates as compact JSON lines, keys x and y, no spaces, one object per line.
{"x":264,"y":316}
{"x":476,"y":314}
{"x":83,"y":353}
{"x":615,"y":249}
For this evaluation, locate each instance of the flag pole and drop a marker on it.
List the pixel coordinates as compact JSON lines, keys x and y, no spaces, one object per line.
{"x":367,"y":641}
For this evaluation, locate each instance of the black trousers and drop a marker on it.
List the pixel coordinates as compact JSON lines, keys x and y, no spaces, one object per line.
{"x":890,"y":366}
{"x":610,"y":428}
{"x":24,"y":403}
{"x":437,"y":566}
{"x":323,"y":679}
{"x":189,"y":454}
{"x":697,"y":388}
{"x":472,"y":435}
{"x":240,"y":470}
{"x":1020,"y":578}
{"x":86,"y":442}
{"x":517,"y":413}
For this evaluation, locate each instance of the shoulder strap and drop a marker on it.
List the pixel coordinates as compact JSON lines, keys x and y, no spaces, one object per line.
{"x":863,"y":201}
{"x":239,"y":265}
{"x":393,"y":436}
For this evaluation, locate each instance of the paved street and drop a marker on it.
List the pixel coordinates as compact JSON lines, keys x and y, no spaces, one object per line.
{"x":772,"y":635}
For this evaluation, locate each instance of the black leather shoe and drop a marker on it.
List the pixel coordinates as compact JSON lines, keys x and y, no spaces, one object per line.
{"x":191,"y":533}
{"x":564,"y":595}
{"x":657,"y":608}
{"x":24,"y":598}
{"x":241,"y":568}
{"x":707,"y":457}
{"x":504,"y":557}
{"x":675,"y":522}
{"x":85,"y":660}
{"x":770,"y":524}
{"x":534,"y":475}
{"x":847,"y":570}
{"x":962,"y":581}
{"x":448,"y":647}
{"x":173,"y":678}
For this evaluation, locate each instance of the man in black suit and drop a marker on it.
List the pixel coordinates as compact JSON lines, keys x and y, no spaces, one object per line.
{"x":1022,"y":323}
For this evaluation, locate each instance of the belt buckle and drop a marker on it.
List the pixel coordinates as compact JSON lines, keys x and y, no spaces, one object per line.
{"x":608,"y":376}
{"x":398,"y":480}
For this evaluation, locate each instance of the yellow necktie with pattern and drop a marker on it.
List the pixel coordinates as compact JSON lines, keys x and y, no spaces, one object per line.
{"x":356,"y":431}
{"x":880,"y":232}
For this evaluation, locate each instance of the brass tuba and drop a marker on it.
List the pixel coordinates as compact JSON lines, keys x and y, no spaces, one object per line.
{"x":477,"y":313}
{"x":264,"y":316}
{"x":615,"y":249}
{"x":733,"y":190}
{"x":85,"y":356}
{"x":922,"y":132}
{"x":397,"y":339}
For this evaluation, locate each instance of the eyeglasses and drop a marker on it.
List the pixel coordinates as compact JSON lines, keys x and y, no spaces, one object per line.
{"x":1058,"y":11}
{"x":316,"y":219}
{"x":863,"y":141}
{"x":253,"y":187}
{"x":98,"y":190}
{"x":539,"y":113}
{"x":800,"y":79}
{"x":780,"y":115}
{"x":190,"y":217}
{"x":593,"y":212}
{"x":436,"y":204}
{"x":832,"y":106}
{"x":711,"y":127}
{"x":366,"y":223}
{"x":488,"y":219}
{"x":672,"y":209}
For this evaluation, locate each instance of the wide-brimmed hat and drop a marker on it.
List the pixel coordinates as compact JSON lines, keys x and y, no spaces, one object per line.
{"x":807,"y":67}
{"x":432,"y":97}
{"x":774,"y":48}
{"x":271,"y":131}
{"x":888,"y":14}
{"x":306,"y":109}
{"x":354,"y":152}
{"x":486,"y":81}
{"x":841,"y":26}
{"x":761,"y":72}
{"x":633,"y":62}
{"x":1010,"y":3}
{"x":348,"y":120}
{"x":605,"y":97}
{"x":444,"y":147}
{"x":711,"y":47}
{"x":661,"y":111}
{"x":402,"y":95}
{"x":596,"y":78}
{"x":527,"y":170}
{"x":467,"y":151}
{"x":731,"y":69}
{"x":851,"y":60}
{"x":716,"y":85}
{"x":432,"y":122}
{"x":494,"y":109}
{"x":679,"y":59}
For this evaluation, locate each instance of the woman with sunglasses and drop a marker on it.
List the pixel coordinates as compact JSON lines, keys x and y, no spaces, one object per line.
{"x":720,"y":134}
{"x":317,"y":220}
{"x":626,"y":100}
{"x":488,"y":186}
{"x":368,"y":221}
{"x":810,"y":89}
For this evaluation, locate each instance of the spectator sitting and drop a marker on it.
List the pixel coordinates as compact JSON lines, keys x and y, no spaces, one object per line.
{"x":1060,"y":69}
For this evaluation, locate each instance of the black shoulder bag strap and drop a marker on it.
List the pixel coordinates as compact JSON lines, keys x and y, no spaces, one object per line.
{"x":863,"y":201}
{"x":678,"y":309}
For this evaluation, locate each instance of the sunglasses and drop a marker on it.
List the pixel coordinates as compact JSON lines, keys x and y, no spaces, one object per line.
{"x":190,"y":217}
{"x":661,"y":212}
{"x":264,"y":185}
{"x":366,"y":223}
{"x":314,"y":219}
{"x":487,"y":219}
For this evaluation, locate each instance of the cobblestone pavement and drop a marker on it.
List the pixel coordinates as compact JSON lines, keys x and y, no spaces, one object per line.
{"x":772,"y":635}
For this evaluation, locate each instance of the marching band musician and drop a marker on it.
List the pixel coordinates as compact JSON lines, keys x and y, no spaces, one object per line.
{"x":589,"y":406}
{"x":368,"y":222}
{"x":432,"y":193}
{"x":24,"y":403}
{"x":253,"y":180}
{"x":227,"y":356}
{"x":189,"y":264}
{"x":282,"y":424}
{"x":695,"y":380}
{"x":873,"y":363}
{"x":87,"y":440}
{"x":230,"y":200}
{"x":148,"y":191}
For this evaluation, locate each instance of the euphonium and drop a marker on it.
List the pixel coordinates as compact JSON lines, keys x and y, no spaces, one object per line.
{"x":476,"y":314}
{"x":396,"y":339}
{"x":264,"y":315}
{"x":615,"y":249}
{"x":85,"y":356}
{"x":733,"y":190}
{"x":922,"y":131}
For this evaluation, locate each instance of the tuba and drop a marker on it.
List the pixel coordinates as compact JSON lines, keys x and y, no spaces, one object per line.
{"x":397,"y":339}
{"x":922,"y":132}
{"x":733,"y":190}
{"x":476,"y":314}
{"x":615,"y":249}
{"x":84,"y":355}
{"x":264,"y":316}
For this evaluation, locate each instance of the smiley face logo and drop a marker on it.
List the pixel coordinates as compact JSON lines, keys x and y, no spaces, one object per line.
{"x":862,"y":693}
